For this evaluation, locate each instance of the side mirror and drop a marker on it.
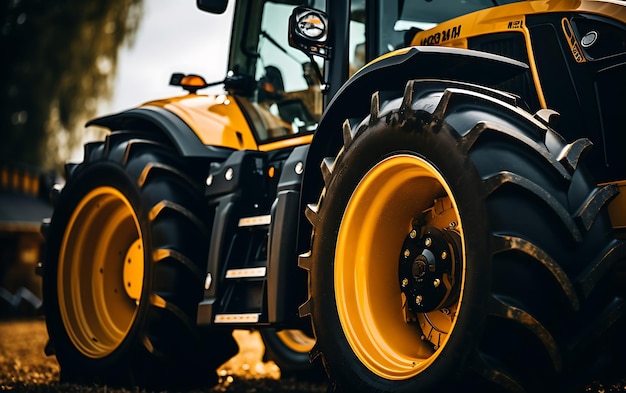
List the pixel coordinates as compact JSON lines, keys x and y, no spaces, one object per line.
{"x":212,"y":6}
{"x":308,"y":31}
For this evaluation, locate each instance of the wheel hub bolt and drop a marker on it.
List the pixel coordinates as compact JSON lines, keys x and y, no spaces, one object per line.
{"x":424,"y":262}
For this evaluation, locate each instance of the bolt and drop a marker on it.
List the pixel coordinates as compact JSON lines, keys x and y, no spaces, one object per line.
{"x":207,"y":281}
{"x":413,"y":234}
{"x":418,"y":299}
{"x":299,"y":168}
{"x":444,"y":255}
{"x":428,"y":242}
{"x":453,"y":224}
{"x":229,"y":174}
{"x":445,"y":311}
{"x":209,"y":180}
{"x":437,"y":282}
{"x":407,"y":253}
{"x":405,"y":282}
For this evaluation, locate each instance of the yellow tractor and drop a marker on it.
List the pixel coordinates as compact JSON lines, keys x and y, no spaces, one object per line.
{"x":416,"y":195}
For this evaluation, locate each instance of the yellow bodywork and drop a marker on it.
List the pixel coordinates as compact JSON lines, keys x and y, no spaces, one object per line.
{"x":511,"y":18}
{"x":507,"y":18}
{"x":218,"y":120}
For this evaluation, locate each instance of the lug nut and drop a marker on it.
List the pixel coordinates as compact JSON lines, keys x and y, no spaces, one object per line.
{"x":418,"y":299}
{"x":413,"y":234}
{"x":428,"y":242}
{"x":405,"y":282}
{"x":437,"y":282}
{"x":444,"y":255}
{"x":407,"y":253}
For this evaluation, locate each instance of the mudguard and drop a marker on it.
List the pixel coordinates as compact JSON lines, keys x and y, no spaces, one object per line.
{"x":180,"y":134}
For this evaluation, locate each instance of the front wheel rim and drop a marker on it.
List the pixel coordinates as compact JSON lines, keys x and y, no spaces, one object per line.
{"x":382,"y":210}
{"x":100,"y":272}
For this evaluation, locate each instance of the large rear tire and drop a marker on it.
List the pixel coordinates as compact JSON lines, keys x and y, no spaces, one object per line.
{"x":457,"y":241}
{"x":127,"y":246}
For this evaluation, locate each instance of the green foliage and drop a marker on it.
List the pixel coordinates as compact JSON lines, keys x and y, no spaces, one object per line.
{"x":59,"y":62}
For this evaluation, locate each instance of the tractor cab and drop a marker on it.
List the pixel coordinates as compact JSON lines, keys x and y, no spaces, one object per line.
{"x":292,"y":77}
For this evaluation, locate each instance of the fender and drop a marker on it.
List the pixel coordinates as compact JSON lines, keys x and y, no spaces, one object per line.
{"x":161,"y":120}
{"x":391,"y":72}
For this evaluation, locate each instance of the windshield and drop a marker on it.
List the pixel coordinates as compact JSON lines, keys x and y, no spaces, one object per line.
{"x":287,"y":100}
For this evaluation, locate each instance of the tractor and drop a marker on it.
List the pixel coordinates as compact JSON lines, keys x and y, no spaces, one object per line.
{"x":401,"y":196}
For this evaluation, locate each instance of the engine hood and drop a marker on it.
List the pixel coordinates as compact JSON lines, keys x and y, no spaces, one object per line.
{"x":217,"y":120}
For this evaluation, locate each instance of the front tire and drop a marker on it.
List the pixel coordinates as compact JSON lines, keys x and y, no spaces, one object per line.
{"x":126,"y":248}
{"x":451,"y":244}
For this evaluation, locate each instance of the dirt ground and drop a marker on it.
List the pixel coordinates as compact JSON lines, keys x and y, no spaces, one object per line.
{"x":25,"y":368}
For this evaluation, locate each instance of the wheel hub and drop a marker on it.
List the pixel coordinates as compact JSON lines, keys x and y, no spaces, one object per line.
{"x":429,"y":269}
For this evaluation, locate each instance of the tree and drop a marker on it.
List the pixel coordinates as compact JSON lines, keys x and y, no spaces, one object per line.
{"x":60,"y":59}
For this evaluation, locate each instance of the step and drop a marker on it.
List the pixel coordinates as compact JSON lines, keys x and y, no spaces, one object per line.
{"x":255,"y":221}
{"x":246,"y":272}
{"x":237,"y":318}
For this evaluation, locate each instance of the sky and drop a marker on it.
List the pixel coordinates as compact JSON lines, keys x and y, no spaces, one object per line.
{"x":174,"y":36}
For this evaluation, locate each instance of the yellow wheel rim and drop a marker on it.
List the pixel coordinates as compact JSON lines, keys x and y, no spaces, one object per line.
{"x":371,"y":306}
{"x":296,"y":340}
{"x":100,"y":272}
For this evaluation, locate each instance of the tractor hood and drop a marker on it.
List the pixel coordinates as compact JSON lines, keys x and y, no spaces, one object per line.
{"x":216,"y":119}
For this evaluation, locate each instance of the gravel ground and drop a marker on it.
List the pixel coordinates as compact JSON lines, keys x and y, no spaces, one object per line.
{"x":25,"y":368}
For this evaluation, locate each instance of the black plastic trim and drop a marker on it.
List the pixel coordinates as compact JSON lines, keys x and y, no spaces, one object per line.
{"x":286,"y":286}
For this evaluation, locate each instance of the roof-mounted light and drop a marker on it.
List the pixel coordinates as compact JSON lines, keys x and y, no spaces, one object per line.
{"x":192,"y":83}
